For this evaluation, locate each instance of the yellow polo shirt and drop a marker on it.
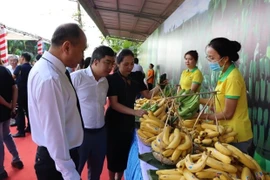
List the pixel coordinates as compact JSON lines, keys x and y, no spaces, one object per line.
{"x":231,"y":85}
{"x":190,"y":76}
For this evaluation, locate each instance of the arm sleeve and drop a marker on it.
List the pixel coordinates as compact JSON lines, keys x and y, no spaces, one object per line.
{"x":17,"y":70}
{"x":197,"y":78}
{"x":52,"y":103}
{"x":233,"y":88}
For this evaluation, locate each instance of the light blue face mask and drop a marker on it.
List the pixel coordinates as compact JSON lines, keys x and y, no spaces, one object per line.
{"x":214,"y":66}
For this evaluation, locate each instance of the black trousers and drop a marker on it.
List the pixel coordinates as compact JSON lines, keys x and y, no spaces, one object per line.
{"x":45,"y":165}
{"x":22,"y":112}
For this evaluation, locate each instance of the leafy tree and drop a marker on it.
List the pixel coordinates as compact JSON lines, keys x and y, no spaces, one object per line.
{"x":117,"y":44}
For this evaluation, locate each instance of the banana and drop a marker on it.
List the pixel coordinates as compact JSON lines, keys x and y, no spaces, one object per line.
{"x":171,"y":137}
{"x":155,"y":147}
{"x":141,"y":119}
{"x":163,"y":118}
{"x":141,"y":134}
{"x":258,"y":171}
{"x":151,"y":128}
{"x":189,"y":123}
{"x":166,"y":135}
{"x":184,"y":153}
{"x":219,"y":156}
{"x":148,"y":134}
{"x":213,"y":134}
{"x":176,"y":140}
{"x":159,"y":141}
{"x":187,"y":143}
{"x":213,"y":127}
{"x":246,"y":174}
{"x":154,"y":122}
{"x":241,"y":156}
{"x":228,"y":130}
{"x":206,"y":174}
{"x":161,"y":114}
{"x":222,"y":149}
{"x":170,"y":177}
{"x":199,"y":165}
{"x":175,"y":155}
{"x":149,"y":140}
{"x":198,"y":141}
{"x":159,"y":110}
{"x":151,"y":116}
{"x":168,"y":171}
{"x":230,"y":134}
{"x":203,"y":134}
{"x":145,"y":116}
{"x":213,"y":163}
{"x":219,"y":173}
{"x":162,"y":102}
{"x":189,"y":175}
{"x":207,"y":141}
{"x":229,"y":139}
{"x":181,"y":164}
{"x":168,"y":152}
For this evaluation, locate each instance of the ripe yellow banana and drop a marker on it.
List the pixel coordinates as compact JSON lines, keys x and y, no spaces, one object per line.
{"x":168,"y":152}
{"x":213,"y":163}
{"x":162,"y":102}
{"x":187,"y":143}
{"x":258,"y":171}
{"x":166,"y":135}
{"x":212,"y":134}
{"x":189,"y":123}
{"x":230,"y":134}
{"x":155,"y":147}
{"x":219,"y":156}
{"x":241,"y":156}
{"x":181,"y":164}
{"x":169,"y":177}
{"x":213,"y":127}
{"x":228,"y":130}
{"x":167,"y":171}
{"x":206,"y":174}
{"x":199,"y":165}
{"x":163,"y":118}
{"x":175,"y":155}
{"x":149,"y":140}
{"x":246,"y":174}
{"x":159,"y":110}
{"x":189,"y":175}
{"x":171,"y":137}
{"x":161,"y":114}
{"x":151,"y":128}
{"x":229,"y":139}
{"x":207,"y":141}
{"x":151,"y":116}
{"x":223,"y":149}
{"x":154,"y":122}
{"x":141,"y":134}
{"x":176,"y":140}
{"x":148,"y":134}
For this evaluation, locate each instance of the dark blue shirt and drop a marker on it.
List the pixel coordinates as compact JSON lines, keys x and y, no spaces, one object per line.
{"x":21,"y":72}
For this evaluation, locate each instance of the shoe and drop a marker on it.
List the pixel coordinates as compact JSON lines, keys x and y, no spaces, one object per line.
{"x":18,"y":135}
{"x":17,"y":164}
{"x":3,"y":175}
{"x":28,"y":130}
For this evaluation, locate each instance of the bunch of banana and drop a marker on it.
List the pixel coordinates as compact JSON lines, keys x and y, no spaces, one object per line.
{"x":223,"y":161}
{"x":212,"y":133}
{"x":189,"y":105}
{"x":146,"y":104}
{"x":172,"y":145}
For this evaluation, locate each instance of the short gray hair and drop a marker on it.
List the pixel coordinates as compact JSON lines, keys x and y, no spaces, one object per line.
{"x":13,"y":57}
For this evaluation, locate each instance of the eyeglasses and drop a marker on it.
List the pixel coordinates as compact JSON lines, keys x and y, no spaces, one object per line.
{"x":211,"y":59}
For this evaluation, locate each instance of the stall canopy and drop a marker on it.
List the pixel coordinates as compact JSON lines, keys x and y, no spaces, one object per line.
{"x":129,"y":19}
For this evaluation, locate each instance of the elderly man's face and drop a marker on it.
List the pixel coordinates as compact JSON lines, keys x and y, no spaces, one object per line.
{"x":13,"y":62}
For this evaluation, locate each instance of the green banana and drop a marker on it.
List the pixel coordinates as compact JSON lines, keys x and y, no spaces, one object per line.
{"x":188,"y":91}
{"x":145,"y":106}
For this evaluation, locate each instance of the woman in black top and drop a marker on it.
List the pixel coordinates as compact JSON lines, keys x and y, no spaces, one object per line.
{"x":124,"y":85}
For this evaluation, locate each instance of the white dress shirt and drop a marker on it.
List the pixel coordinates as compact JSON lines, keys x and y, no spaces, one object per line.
{"x":137,"y":67}
{"x":55,"y":119}
{"x":9,"y":67}
{"x":92,"y":95}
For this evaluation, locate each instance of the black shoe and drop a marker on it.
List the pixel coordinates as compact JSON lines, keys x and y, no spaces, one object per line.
{"x":28,"y":130}
{"x":3,"y":175}
{"x":17,"y":164}
{"x":18,"y":135}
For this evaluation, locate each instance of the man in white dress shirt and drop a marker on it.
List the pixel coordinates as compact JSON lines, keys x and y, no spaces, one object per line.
{"x":92,"y":86}
{"x":55,"y":117}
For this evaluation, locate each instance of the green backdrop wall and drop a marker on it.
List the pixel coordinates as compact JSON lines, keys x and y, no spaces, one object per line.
{"x":194,"y":24}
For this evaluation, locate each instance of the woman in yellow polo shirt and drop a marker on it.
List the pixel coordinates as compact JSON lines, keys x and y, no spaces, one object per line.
{"x":232,"y":109}
{"x":191,"y":78}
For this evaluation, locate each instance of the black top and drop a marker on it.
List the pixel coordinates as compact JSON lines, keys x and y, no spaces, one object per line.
{"x":6,"y":82}
{"x":126,"y":94}
{"x":21,"y":72}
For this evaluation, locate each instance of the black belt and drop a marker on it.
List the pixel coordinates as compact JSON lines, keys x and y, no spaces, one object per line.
{"x":93,"y":130}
